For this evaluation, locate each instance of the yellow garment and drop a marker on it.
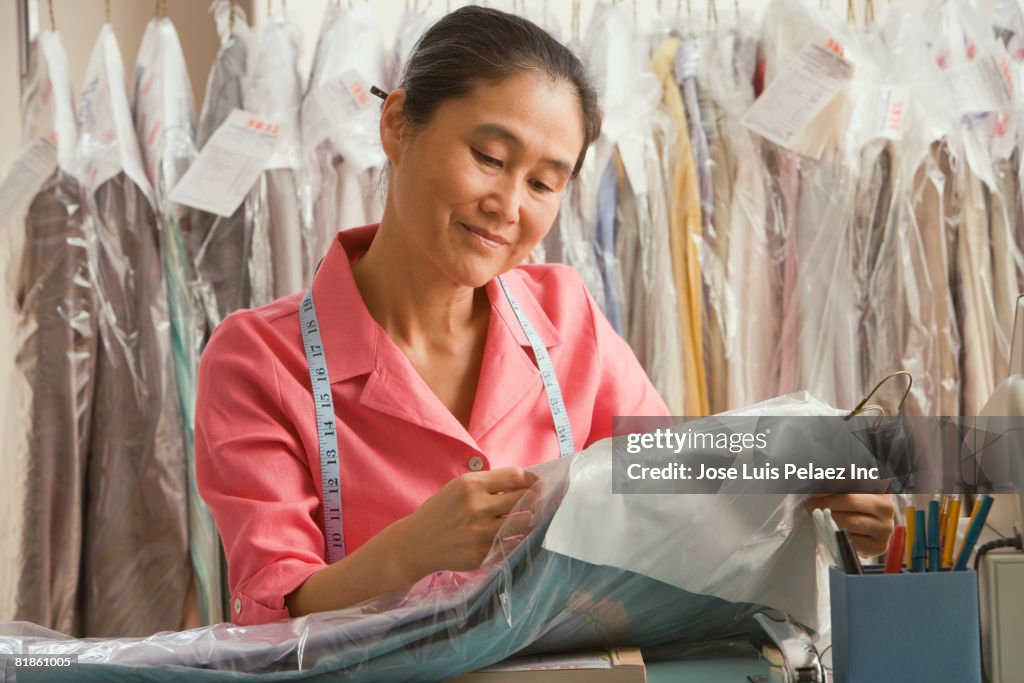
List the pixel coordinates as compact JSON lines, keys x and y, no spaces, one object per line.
{"x":685,"y":231}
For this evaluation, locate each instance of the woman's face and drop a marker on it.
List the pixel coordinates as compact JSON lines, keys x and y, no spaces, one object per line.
{"x":480,"y":185}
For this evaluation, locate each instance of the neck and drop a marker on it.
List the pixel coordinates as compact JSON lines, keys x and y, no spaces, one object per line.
{"x":410,"y":299}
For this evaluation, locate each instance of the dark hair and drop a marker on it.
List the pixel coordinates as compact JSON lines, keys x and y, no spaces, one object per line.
{"x":475,"y":44}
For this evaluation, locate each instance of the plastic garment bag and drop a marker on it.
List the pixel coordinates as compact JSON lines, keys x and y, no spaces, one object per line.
{"x":527,"y":596}
{"x":50,"y":396}
{"x":221,"y":247}
{"x":163,"y":120}
{"x":684,"y":229}
{"x":921,"y":334}
{"x":411,"y":27}
{"x":340,"y":129}
{"x":752,"y":304}
{"x":820,"y":320}
{"x":626,"y":247}
{"x":962,"y":40}
{"x":274,"y":89}
{"x":135,"y":569}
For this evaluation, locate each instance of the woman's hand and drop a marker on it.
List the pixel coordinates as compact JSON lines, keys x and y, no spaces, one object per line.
{"x":454,"y":528}
{"x":867,"y":516}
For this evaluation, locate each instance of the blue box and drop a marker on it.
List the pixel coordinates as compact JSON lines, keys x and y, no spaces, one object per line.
{"x":905,"y":628}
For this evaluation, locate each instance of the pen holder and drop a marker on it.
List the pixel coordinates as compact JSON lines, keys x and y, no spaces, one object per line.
{"x":909,"y":627}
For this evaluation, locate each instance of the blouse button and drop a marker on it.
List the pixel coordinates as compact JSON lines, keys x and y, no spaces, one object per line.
{"x":238,"y":605}
{"x":476,"y":463}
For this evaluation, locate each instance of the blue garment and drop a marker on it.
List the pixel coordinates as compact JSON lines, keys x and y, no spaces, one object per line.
{"x":604,"y":246}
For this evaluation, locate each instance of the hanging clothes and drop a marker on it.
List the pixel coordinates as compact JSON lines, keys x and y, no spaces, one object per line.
{"x":340,"y":130}
{"x":135,"y":566}
{"x":274,"y":90}
{"x":685,"y":231}
{"x":50,"y":398}
{"x":163,"y":120}
{"x":411,"y":27}
{"x":221,"y":247}
{"x":711,"y":250}
{"x":753,"y":304}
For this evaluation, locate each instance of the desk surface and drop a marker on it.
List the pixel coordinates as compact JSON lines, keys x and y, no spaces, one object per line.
{"x":731,"y":670}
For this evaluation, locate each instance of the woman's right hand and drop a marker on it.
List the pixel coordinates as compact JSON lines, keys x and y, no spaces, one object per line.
{"x":454,"y":528}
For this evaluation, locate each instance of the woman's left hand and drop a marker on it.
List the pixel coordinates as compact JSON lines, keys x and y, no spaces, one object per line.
{"x":868,"y":517}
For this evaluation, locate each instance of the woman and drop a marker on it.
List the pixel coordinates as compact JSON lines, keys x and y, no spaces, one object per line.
{"x":433,"y":370}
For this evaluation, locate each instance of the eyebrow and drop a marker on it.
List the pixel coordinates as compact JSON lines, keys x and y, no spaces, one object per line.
{"x":496,"y":130}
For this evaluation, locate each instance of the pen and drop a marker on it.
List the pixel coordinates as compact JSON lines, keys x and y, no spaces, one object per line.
{"x":894,"y":557}
{"x":973,"y":532}
{"x":919,"y":542}
{"x":933,"y":536}
{"x":949,"y":539}
{"x":851,"y":563}
{"x":911,"y":535}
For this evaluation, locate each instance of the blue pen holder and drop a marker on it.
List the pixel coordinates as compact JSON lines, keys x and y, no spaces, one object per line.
{"x":905,"y":628}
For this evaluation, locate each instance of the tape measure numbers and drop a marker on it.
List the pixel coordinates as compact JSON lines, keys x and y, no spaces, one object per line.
{"x":326,"y":429}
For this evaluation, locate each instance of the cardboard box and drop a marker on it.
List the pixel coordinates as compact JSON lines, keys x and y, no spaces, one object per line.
{"x":625,"y":665}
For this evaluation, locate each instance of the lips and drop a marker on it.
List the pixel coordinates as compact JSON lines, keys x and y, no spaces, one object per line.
{"x":488,"y":239}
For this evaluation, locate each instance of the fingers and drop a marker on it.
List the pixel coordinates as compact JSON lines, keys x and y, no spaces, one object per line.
{"x":868,"y":517}
{"x":505,"y":479}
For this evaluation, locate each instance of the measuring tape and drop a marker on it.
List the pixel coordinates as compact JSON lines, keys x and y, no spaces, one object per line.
{"x":547,"y":374}
{"x":327,"y":433}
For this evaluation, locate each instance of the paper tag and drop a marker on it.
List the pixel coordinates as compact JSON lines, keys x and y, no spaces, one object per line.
{"x":791,"y":101}
{"x":229,"y":165}
{"x":887,"y":110}
{"x":26,"y":176}
{"x":343,"y":98}
{"x":984,"y":85}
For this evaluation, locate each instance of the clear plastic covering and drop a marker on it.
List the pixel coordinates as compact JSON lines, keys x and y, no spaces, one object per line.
{"x":595,"y":569}
{"x":340,"y":129}
{"x":274,"y":90}
{"x":49,"y":379}
{"x":135,"y":459}
{"x":164,"y":124}
{"x":221,"y":246}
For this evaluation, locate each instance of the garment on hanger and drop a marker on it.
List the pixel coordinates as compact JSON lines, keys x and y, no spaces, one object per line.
{"x":685,"y":232}
{"x":753,"y":310}
{"x":164,"y":122}
{"x":341,"y":130}
{"x":135,"y":566}
{"x":221,"y":246}
{"x":50,"y":393}
{"x":411,"y":27}
{"x":274,"y":90}
{"x":716,"y":63}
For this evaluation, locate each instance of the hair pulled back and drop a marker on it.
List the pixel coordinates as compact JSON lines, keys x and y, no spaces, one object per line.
{"x":476,"y":44}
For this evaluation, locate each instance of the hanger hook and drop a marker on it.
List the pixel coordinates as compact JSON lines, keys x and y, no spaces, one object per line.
{"x":53,"y":20}
{"x":910,"y":384}
{"x":106,"y":11}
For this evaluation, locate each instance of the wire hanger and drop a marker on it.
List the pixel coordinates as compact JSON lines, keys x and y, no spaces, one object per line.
{"x":863,"y":405}
{"x":53,"y":20}
{"x":106,"y":11}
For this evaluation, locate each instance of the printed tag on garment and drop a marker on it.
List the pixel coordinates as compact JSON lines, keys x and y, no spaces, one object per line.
{"x":983,"y":85}
{"x":26,"y":176}
{"x":331,"y":102}
{"x":886,"y":111}
{"x":229,"y":165}
{"x":804,"y":87}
